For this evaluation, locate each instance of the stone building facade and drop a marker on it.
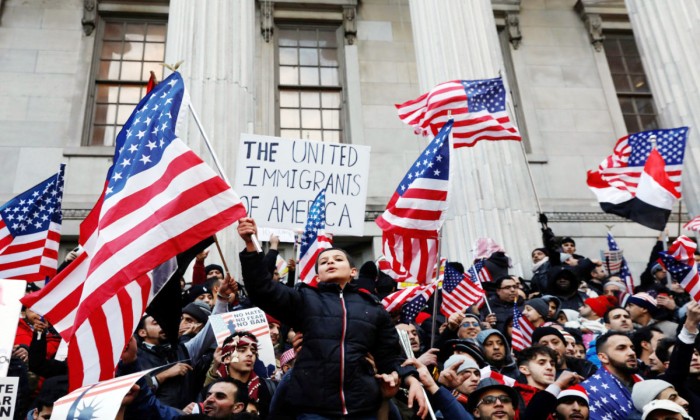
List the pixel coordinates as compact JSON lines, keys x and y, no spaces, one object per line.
{"x":581,"y":73}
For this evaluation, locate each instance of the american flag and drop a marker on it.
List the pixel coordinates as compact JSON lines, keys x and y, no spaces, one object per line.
{"x":479,"y":270}
{"x":610,"y":400}
{"x":416,"y":303}
{"x":624,"y":167}
{"x":30,"y":230}
{"x":416,"y":211}
{"x":460,"y":291}
{"x":693,"y":225}
{"x":397,"y":299}
{"x":522,"y":330}
{"x":313,"y":240}
{"x":160,"y":199}
{"x":477,"y":106}
{"x":384,"y":266}
{"x":625,"y":273}
{"x":681,"y":265}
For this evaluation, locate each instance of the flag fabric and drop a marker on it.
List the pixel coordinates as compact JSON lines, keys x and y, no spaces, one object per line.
{"x":610,"y":399}
{"x":625,"y":273}
{"x":30,"y":231}
{"x":416,"y":211}
{"x":313,"y":240}
{"x":522,"y":330}
{"x":640,"y":182}
{"x":397,"y":299}
{"x":477,"y":106}
{"x":460,"y":291}
{"x":416,"y":303}
{"x":679,"y":262}
{"x":693,"y":225}
{"x":479,"y":271}
{"x":385,"y":267}
{"x":160,"y":199}
{"x":152,"y":82}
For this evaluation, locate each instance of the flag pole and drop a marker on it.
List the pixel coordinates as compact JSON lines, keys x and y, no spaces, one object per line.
{"x":529,"y":175}
{"x":435,"y":293}
{"x":218,"y":167}
{"x":297,"y":255}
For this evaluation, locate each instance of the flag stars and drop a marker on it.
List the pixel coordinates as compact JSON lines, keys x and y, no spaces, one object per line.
{"x":145,"y":159}
{"x":117,"y":176}
{"x":151,"y":145}
{"x":141,"y":134}
{"x":133,"y":148}
{"x":125,"y":163}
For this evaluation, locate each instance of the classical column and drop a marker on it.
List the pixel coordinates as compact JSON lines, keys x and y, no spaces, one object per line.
{"x":667,"y":37}
{"x":492,"y":194}
{"x":215,"y":39}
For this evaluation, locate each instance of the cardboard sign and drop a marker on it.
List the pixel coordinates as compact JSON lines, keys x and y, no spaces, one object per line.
{"x":10,"y":307}
{"x":8,"y":397}
{"x":278,"y":180}
{"x":98,"y":401}
{"x":252,"y":320}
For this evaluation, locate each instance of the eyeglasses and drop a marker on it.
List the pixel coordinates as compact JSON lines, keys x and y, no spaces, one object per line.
{"x":469,"y":324}
{"x":513,"y":287}
{"x":491,"y":399}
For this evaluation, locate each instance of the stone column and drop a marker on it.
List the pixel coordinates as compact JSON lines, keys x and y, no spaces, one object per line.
{"x":667,"y":37}
{"x":492,"y":195}
{"x":215,"y":39}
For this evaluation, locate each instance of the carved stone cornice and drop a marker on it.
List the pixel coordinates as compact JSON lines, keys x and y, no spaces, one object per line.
{"x":267,"y":21}
{"x":601,"y":15}
{"x":350,"y":23}
{"x":89,"y":19}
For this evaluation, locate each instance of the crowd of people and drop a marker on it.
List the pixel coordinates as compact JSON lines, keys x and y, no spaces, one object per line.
{"x":596,"y":351}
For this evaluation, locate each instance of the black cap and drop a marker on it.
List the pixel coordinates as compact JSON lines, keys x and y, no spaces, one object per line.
{"x":465,"y":345}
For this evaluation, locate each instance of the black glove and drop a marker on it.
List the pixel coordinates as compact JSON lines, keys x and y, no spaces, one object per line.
{"x":543,"y":218}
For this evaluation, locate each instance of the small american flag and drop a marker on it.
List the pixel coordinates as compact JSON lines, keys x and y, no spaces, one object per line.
{"x":416,"y":303}
{"x":30,"y":230}
{"x":624,"y":167}
{"x":625,"y":273}
{"x":460,"y":291}
{"x":479,"y":270}
{"x":313,"y":240}
{"x":477,"y":106}
{"x":397,"y":299}
{"x":522,"y":330}
{"x":693,"y":225}
{"x":681,"y":265}
{"x":416,"y":211}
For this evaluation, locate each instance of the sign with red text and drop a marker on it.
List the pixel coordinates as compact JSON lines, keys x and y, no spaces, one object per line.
{"x":278,"y":180}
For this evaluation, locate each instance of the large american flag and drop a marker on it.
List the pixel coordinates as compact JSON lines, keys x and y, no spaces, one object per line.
{"x":313,"y":240}
{"x":30,"y":230}
{"x":416,"y":211}
{"x":680,"y":263}
{"x":477,"y":106}
{"x":624,"y":167}
{"x":160,"y":199}
{"x":460,"y":291}
{"x":522,"y":330}
{"x":693,"y":225}
{"x":625,"y":273}
{"x":610,"y":399}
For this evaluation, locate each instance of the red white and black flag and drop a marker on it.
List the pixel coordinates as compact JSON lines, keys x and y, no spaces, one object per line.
{"x":640,"y":182}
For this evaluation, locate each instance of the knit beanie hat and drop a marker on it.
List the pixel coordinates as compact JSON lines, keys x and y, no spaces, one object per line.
{"x":643,"y":300}
{"x":210,"y":267}
{"x":287,"y":356}
{"x":645,"y":392}
{"x":540,"y":305}
{"x":463,"y":361}
{"x":197,"y":310}
{"x":601,"y":304}
{"x":545,"y":331}
{"x":194,"y":292}
{"x":576,"y":391}
{"x":620,"y":285}
{"x":271,"y":320}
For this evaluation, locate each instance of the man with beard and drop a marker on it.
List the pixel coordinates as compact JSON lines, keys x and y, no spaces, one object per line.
{"x":501,"y":306}
{"x":612,"y":385}
{"x":496,"y":351}
{"x":554,"y":339}
{"x":429,"y":358}
{"x":225,"y":397}
{"x":572,"y":404}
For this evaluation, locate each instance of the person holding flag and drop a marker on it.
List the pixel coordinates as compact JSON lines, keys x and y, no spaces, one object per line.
{"x":341,"y":325}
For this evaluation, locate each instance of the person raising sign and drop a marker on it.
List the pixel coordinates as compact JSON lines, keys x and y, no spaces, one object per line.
{"x":341,"y":327}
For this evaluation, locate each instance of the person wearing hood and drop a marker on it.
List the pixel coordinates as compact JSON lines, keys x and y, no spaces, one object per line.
{"x":554,"y":307}
{"x":554,"y":339}
{"x":593,"y":273}
{"x":563,"y":283}
{"x":367,"y":277}
{"x":501,"y":305}
{"x":540,"y":266}
{"x":497,"y":352}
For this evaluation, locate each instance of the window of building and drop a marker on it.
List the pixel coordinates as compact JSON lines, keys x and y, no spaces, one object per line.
{"x":630,"y":82}
{"x":309,"y":83}
{"x":126,"y":52}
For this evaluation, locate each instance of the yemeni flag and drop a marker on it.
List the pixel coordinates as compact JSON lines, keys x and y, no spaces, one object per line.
{"x":641,"y":180}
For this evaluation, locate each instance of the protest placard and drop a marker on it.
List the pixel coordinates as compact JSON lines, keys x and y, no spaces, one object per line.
{"x":278,"y":180}
{"x":10,"y":293}
{"x":8,"y":396}
{"x":252,"y":320}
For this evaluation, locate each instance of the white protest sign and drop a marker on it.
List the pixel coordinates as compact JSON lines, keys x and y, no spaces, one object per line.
{"x":98,"y":401}
{"x":8,"y":397}
{"x":278,"y":180}
{"x":10,"y":307}
{"x":252,"y":320}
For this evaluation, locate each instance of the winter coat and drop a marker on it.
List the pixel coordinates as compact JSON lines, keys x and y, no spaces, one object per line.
{"x":331,"y":375}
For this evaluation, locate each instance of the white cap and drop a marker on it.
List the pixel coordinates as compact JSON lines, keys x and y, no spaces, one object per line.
{"x":667,"y":405}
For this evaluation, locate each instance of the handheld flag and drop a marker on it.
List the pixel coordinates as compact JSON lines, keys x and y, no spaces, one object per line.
{"x":313,"y":241}
{"x":30,"y":231}
{"x":680,"y":263}
{"x":625,"y":273}
{"x":522,"y":330}
{"x":640,"y":182}
{"x":460,"y":291}
{"x":477,"y":106}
